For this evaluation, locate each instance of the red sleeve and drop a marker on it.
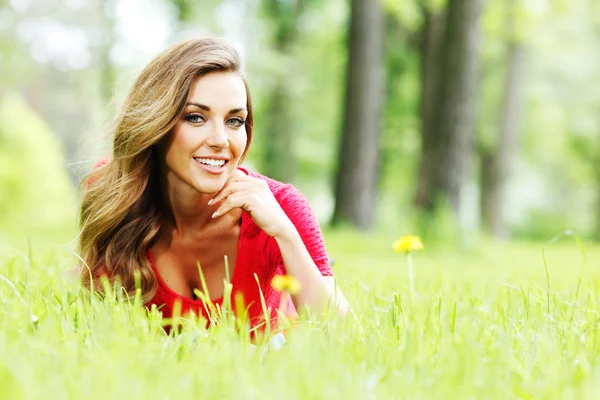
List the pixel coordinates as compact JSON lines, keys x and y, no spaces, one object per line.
{"x":299,"y":211}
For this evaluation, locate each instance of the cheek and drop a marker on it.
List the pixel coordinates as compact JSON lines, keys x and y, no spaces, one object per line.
{"x":241,"y":143}
{"x":178,"y":146}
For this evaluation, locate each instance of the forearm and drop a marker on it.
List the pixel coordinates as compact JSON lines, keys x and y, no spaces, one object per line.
{"x":316,"y":291}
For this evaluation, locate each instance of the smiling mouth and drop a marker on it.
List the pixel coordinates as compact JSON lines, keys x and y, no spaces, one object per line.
{"x":211,"y":162}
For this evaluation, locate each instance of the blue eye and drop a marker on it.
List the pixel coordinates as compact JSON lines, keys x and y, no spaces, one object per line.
{"x":235,"y":122}
{"x":194,"y":118}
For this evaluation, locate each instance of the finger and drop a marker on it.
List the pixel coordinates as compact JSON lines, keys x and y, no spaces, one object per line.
{"x":239,"y":176}
{"x":235,"y":200}
{"x":234,"y":181}
{"x":228,"y":190}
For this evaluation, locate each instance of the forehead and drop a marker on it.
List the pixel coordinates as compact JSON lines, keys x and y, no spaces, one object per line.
{"x":219,"y":90}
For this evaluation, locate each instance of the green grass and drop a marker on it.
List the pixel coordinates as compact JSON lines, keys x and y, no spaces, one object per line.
{"x":483,"y":324}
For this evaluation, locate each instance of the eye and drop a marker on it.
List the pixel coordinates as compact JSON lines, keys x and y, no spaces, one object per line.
{"x":195,"y":118}
{"x":235,"y":122}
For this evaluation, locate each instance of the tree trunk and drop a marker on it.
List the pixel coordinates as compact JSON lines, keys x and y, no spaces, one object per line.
{"x":280,"y":158}
{"x":452,"y":124}
{"x":496,"y":169}
{"x":430,"y":48}
{"x":358,"y":160}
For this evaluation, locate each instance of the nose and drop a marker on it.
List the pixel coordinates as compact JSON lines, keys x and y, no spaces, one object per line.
{"x":218,"y":139}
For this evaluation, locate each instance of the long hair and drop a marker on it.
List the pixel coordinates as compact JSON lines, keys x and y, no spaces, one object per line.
{"x":122,"y":208}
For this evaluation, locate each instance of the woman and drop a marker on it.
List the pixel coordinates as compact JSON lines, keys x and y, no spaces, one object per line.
{"x":173,"y":197}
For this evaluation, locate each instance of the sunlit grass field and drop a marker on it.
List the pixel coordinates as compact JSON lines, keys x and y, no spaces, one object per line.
{"x":494,"y":322}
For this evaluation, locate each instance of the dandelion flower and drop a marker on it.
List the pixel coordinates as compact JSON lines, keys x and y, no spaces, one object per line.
{"x":408,"y":244}
{"x":286,"y":283}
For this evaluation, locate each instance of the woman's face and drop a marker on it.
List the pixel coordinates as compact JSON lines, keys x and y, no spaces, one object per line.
{"x":206,"y":144}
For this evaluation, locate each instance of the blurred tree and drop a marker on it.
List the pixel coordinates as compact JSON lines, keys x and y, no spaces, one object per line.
{"x":15,"y":65}
{"x":400,"y":109}
{"x":280,"y":158}
{"x":106,"y":17}
{"x":36,"y":197}
{"x":358,"y":159}
{"x":316,"y":79}
{"x":184,"y":10}
{"x":199,"y":17}
{"x":497,"y":161}
{"x":585,"y":140}
{"x":449,"y":145}
{"x":595,"y":159}
{"x":430,"y":48}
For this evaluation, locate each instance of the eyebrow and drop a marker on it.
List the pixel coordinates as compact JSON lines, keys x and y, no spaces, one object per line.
{"x":207,"y":108}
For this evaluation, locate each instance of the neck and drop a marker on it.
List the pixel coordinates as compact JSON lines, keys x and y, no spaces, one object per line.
{"x":189,"y":212}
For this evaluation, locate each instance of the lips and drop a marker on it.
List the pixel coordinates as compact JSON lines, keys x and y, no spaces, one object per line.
{"x":211,"y":162}
{"x":212,"y":165}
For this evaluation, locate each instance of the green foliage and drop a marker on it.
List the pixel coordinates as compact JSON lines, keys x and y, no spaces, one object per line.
{"x":408,"y":13}
{"x":36,"y":195}
{"x":315,"y":74}
{"x":541,"y":225}
{"x":560,"y":119}
{"x":8,"y":383}
{"x":323,"y":58}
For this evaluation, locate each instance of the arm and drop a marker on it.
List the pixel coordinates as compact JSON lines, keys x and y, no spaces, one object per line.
{"x":318,"y":291}
{"x":297,"y":241}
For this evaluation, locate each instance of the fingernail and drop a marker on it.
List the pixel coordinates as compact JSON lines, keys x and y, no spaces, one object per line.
{"x":210,"y":202}
{"x":215,"y":214}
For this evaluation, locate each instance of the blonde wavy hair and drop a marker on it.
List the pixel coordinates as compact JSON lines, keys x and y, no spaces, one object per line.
{"x":122,"y":207}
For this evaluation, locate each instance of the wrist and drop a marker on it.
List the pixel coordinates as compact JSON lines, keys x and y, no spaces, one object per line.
{"x":286,"y":232}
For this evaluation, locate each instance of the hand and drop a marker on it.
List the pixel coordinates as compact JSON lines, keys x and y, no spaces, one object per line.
{"x":253,"y":196}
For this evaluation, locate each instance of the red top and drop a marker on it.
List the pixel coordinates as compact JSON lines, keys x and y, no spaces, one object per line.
{"x":257,"y":254}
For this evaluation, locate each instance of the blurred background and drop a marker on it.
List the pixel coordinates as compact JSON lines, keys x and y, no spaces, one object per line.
{"x":459,"y":120}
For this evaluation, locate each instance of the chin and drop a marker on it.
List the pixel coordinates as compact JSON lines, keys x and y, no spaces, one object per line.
{"x":206,"y":186}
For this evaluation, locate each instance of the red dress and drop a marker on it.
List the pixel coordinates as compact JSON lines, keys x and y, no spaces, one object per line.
{"x":259,"y":258}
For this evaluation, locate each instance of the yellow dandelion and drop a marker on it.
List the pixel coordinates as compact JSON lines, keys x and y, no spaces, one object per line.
{"x":408,"y":244}
{"x":286,"y":283}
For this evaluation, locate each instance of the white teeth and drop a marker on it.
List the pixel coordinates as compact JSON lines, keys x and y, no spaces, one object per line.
{"x":211,"y":162}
